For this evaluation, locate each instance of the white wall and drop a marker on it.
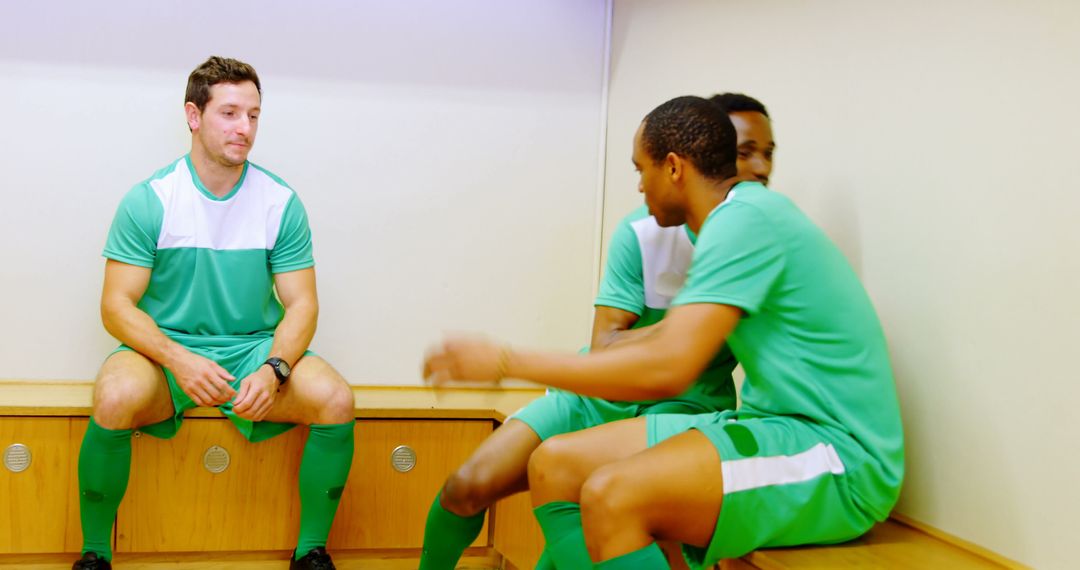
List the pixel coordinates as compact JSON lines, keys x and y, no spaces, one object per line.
{"x":446,"y":151}
{"x":936,"y":142}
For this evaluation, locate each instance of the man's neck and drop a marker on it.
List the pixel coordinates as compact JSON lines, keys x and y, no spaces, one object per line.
{"x":705,"y":197}
{"x":219,"y":179}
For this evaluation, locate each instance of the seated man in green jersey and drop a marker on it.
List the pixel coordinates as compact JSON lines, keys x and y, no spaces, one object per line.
{"x":646,"y":266}
{"x":195,"y":256}
{"x":815,"y":452}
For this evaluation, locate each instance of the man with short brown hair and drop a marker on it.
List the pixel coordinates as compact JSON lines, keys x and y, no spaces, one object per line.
{"x":210,"y":286}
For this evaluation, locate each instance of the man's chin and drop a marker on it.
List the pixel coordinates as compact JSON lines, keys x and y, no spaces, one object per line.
{"x":234,"y":160}
{"x":667,"y":222}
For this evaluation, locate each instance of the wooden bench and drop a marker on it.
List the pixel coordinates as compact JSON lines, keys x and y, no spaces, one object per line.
{"x":892,"y":544}
{"x":175,"y":505}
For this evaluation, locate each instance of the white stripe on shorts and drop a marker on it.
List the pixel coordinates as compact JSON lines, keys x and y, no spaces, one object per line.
{"x":754,"y":472}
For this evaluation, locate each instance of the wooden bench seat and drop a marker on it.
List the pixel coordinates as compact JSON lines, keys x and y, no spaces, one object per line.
{"x":892,"y":544}
{"x":382,"y":511}
{"x":73,"y":399}
{"x":176,"y":504}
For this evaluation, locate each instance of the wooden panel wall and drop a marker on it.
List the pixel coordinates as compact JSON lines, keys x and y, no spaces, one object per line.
{"x":517,"y":534}
{"x":39,"y":506}
{"x":173,"y":504}
{"x":383,"y":508}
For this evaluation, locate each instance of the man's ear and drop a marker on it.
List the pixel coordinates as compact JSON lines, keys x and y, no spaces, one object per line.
{"x":193,"y":115}
{"x":674,"y":167}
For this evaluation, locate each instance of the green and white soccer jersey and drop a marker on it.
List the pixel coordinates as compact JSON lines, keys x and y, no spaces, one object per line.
{"x":646,"y":267}
{"x":819,"y":431}
{"x":212,"y":262}
{"x":212,"y":259}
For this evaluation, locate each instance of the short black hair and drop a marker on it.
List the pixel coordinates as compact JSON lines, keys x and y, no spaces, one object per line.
{"x":735,"y":102}
{"x":697,"y":130}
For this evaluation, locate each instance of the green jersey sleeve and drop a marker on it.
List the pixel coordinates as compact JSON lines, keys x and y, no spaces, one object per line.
{"x":737,"y":260}
{"x":292,"y":251}
{"x":133,"y":236}
{"x":623,"y":284}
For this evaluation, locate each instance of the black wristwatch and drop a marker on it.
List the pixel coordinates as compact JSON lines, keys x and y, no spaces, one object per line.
{"x":281,"y":369}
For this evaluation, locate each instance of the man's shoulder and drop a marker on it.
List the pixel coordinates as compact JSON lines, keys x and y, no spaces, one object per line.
{"x":163,"y":173}
{"x":760,"y":197}
{"x":635,"y":215}
{"x":145,"y":193}
{"x":641,"y":223}
{"x":748,"y":199}
{"x":263,"y":176}
{"x":647,"y":230}
{"x":274,"y":191}
{"x":145,"y":187}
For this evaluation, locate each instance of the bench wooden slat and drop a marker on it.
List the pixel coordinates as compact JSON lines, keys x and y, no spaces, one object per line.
{"x":62,"y":398}
{"x":888,"y":545}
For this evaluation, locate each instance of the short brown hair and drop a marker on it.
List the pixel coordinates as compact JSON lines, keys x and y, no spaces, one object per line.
{"x":217,"y":70}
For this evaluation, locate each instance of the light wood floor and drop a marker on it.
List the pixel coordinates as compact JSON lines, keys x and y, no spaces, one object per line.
{"x":246,"y":561}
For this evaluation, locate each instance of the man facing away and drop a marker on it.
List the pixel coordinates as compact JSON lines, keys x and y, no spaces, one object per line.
{"x":814,"y":454}
{"x":646,"y":265}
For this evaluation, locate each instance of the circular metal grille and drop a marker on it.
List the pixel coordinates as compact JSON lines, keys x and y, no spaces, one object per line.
{"x":17,"y":458}
{"x":403,"y":458}
{"x":216,"y":459}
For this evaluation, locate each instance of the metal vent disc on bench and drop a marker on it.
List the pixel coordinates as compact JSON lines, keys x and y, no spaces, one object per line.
{"x":17,"y":458}
{"x":216,"y":459}
{"x":403,"y":458}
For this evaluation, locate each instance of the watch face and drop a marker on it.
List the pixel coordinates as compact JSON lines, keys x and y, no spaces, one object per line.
{"x":284,"y":368}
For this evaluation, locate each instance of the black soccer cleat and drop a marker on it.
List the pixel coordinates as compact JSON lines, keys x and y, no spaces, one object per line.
{"x":91,"y":561}
{"x":316,"y":559}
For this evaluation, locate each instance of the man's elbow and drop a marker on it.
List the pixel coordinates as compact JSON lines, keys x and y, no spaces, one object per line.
{"x":110,"y":313}
{"x":603,"y":339}
{"x":306,"y":309}
{"x":312,"y":307}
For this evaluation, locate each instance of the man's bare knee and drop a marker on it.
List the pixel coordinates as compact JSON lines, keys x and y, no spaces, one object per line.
{"x":609,"y":503}
{"x":119,"y":399}
{"x":319,"y":395}
{"x":317,"y":400}
{"x":606,"y":494}
{"x":554,"y":468}
{"x":339,"y":405}
{"x":130,"y":391}
{"x":470,"y":489}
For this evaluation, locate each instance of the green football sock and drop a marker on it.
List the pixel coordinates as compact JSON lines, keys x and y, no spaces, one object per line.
{"x":104,"y":467}
{"x":324,"y":469}
{"x":565,"y":538}
{"x":545,"y":562}
{"x":648,"y":558}
{"x":446,"y":536}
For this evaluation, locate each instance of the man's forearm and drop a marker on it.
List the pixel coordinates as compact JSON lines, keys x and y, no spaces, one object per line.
{"x":133,"y":327}
{"x":295,"y":331}
{"x":627,"y":372}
